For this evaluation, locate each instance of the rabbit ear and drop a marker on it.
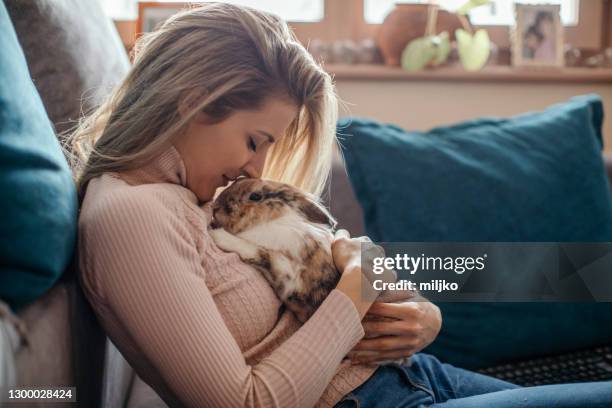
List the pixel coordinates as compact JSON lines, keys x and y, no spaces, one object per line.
{"x":315,"y":212}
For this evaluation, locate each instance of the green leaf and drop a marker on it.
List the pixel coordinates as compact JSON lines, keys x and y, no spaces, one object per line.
{"x":473,"y":50}
{"x":443,"y":47}
{"x":471,"y":4}
{"x":418,"y":53}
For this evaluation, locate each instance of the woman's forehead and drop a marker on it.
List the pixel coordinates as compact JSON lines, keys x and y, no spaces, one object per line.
{"x":270,"y":119}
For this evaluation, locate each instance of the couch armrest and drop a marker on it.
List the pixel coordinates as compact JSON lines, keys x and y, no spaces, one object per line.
{"x":341,"y":199}
{"x":65,"y":344}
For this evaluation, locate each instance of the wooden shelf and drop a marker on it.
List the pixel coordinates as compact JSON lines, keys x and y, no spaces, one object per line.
{"x":494,"y":73}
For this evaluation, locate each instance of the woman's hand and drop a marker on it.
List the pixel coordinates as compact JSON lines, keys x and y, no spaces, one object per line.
{"x":346,"y":253}
{"x":406,"y":328}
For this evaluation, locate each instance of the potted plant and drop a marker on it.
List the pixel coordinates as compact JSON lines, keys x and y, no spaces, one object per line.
{"x":406,"y":22}
{"x":434,"y":47}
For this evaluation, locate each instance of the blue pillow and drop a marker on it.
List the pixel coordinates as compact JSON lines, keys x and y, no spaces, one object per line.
{"x":535,"y":177}
{"x":37,"y":195}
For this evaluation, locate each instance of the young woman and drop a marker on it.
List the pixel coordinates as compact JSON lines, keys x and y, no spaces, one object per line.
{"x":545,"y":26}
{"x":217,"y":93}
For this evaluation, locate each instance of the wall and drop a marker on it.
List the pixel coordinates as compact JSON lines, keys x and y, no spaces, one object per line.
{"x":421,"y":105}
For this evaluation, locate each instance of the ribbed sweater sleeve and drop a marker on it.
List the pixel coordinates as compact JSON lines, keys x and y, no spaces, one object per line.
{"x":150,"y":274}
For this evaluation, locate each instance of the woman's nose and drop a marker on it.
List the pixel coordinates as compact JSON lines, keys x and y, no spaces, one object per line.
{"x":254,"y":168}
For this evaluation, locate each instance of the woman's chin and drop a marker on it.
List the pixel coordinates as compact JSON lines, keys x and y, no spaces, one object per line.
{"x":205,"y":195}
{"x":208,"y":191}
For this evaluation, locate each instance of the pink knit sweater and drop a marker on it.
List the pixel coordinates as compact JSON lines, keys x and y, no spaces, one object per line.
{"x":198,"y":325}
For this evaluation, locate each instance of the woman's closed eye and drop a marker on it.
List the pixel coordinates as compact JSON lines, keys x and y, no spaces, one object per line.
{"x":252,"y":144}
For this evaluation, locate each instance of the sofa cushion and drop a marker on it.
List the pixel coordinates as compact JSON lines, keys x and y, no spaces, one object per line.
{"x":535,"y":177}
{"x":74,"y":54}
{"x":37,"y":195}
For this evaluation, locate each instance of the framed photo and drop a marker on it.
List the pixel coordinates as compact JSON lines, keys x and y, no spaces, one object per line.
{"x":152,"y":14}
{"x":537,"y":38}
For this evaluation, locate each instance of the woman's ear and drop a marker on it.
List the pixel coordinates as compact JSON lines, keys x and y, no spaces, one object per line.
{"x":315,"y":212}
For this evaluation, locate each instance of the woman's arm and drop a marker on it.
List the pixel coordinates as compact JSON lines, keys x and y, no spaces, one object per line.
{"x":149,"y":273}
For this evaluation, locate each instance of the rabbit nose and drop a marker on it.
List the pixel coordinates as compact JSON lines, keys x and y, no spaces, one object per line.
{"x":214,"y":224}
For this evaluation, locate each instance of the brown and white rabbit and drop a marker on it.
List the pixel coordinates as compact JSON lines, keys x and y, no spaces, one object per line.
{"x":284,"y":233}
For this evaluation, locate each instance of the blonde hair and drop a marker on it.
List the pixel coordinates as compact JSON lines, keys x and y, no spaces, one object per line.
{"x":215,"y":59}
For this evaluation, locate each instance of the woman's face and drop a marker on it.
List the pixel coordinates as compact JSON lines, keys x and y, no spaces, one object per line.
{"x":547,"y":27}
{"x":214,"y":154}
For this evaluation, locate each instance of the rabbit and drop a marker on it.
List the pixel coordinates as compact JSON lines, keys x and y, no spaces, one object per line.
{"x":284,"y":233}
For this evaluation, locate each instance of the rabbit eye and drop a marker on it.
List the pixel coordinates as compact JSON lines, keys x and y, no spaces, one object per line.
{"x":255,"y":197}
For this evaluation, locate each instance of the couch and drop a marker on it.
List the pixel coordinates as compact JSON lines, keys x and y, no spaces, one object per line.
{"x":73,"y":51}
{"x":74,"y":56}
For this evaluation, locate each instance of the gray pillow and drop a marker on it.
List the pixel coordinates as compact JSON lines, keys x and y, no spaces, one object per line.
{"x":74,"y":54}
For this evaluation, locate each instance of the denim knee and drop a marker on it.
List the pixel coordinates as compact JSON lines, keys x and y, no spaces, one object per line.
{"x":389,"y":387}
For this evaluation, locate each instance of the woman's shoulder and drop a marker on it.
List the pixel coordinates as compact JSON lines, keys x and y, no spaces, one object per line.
{"x":108,"y":193}
{"x":123,"y":226}
{"x":110,"y":199}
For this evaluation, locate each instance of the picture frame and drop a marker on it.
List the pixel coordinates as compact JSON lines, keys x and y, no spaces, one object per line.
{"x":537,"y":37}
{"x":151,"y":14}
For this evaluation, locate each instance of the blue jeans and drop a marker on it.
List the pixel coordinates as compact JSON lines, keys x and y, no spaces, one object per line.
{"x":429,"y":383}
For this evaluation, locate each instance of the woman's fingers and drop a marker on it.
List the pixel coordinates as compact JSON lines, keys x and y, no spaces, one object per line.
{"x":342,"y":233}
{"x":394,"y":328}
{"x":388,"y":343}
{"x":380,"y":356}
{"x":345,"y":250}
{"x":401,"y":311}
